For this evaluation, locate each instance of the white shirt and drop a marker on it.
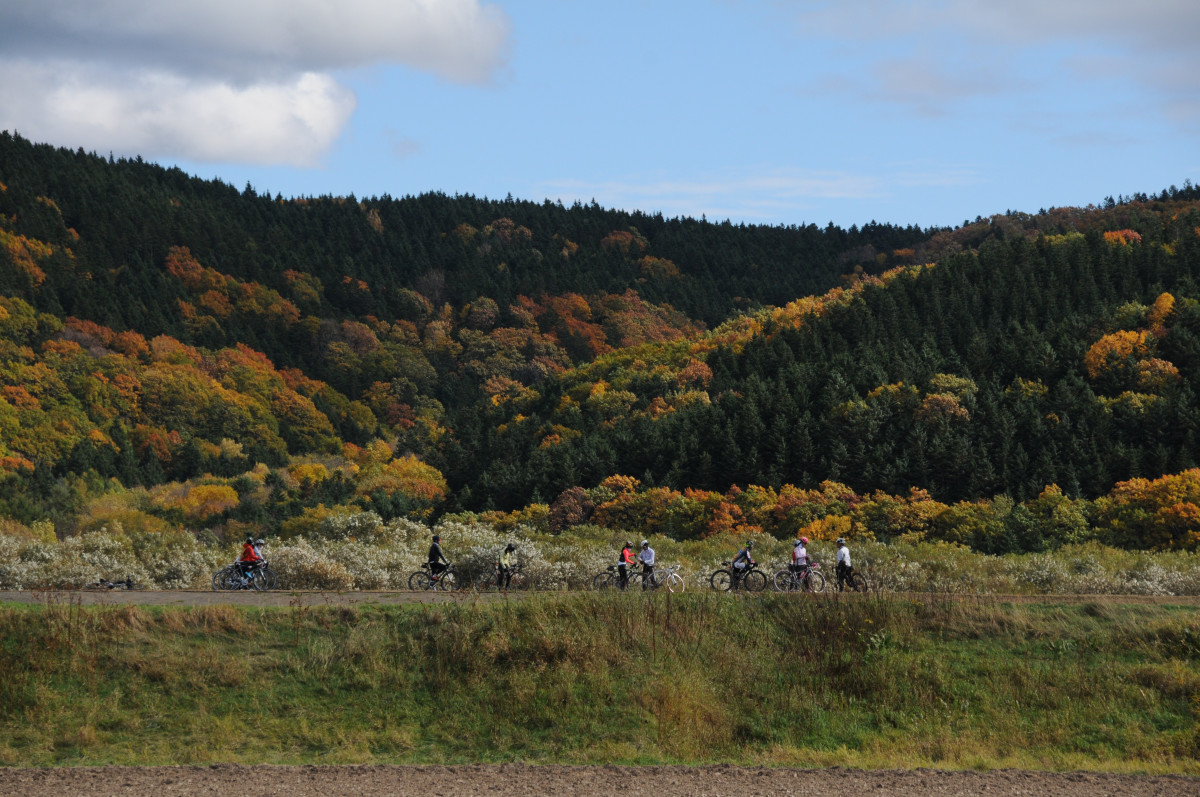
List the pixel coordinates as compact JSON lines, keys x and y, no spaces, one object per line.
{"x":799,"y":555}
{"x":647,"y":556}
{"x":843,"y":556}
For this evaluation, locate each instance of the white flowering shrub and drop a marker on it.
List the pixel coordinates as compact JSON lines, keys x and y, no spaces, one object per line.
{"x":360,"y":552}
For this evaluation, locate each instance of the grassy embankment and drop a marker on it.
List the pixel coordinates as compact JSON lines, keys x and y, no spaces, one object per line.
{"x":779,"y":680}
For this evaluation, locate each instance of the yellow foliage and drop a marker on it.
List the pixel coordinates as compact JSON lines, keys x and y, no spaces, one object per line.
{"x":827,"y":528}
{"x":1115,"y":347}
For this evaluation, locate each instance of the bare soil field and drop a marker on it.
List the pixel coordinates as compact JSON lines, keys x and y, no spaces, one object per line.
{"x":349,"y":598}
{"x":473,"y":779}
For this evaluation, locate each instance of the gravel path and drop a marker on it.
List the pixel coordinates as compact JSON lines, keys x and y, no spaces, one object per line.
{"x":665,"y":781}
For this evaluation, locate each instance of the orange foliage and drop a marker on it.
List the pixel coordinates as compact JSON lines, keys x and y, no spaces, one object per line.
{"x":1164,"y":305}
{"x":658,"y":268}
{"x":1122,"y":237}
{"x":25,"y":254}
{"x":1114,"y":348}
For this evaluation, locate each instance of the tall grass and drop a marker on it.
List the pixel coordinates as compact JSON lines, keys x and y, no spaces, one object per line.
{"x":869,"y":682}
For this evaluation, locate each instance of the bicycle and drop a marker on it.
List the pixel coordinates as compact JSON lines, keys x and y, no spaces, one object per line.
{"x":856,"y":581}
{"x":489,"y":580}
{"x":260,"y":577}
{"x":611,"y":579}
{"x":807,"y":579}
{"x":424,"y":579}
{"x":128,"y":583}
{"x":750,"y":578}
{"x":670,"y":579}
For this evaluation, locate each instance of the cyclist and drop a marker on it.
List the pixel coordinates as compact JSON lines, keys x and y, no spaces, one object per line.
{"x":844,"y":568}
{"x":505,"y":565}
{"x":624,"y":560}
{"x":258,"y":546}
{"x":437,"y":560}
{"x":800,"y":555}
{"x":743,"y":560}
{"x":249,"y":559}
{"x":646,"y":557}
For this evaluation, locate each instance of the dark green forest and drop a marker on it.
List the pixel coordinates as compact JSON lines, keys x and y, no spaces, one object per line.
{"x":158,"y":327}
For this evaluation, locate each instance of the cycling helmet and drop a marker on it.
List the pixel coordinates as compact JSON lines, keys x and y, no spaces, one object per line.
{"x":260,"y":541}
{"x":628,"y":544}
{"x":841,"y":540}
{"x":249,"y":539}
{"x":804,"y":540}
{"x":645,"y":543}
{"x":750,"y":544}
{"x":510,"y":547}
{"x":437,"y":537}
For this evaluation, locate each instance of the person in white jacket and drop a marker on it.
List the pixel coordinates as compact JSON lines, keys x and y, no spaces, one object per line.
{"x":646,"y":557}
{"x":844,"y":568}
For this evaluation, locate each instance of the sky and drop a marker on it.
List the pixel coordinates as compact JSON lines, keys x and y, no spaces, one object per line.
{"x":780,"y":112}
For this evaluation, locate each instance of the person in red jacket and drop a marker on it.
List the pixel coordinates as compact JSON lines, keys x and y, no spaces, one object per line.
{"x":624,"y":561}
{"x":249,"y":559}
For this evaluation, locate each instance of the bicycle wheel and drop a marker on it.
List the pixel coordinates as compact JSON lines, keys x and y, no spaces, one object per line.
{"x":226,"y":578}
{"x":269,"y":578}
{"x":675,"y":583}
{"x":448,"y":581}
{"x":721,"y":580}
{"x":419,"y":580}
{"x":858,"y":582}
{"x":518,"y":581}
{"x":755,"y":581}
{"x":813,"y":582}
{"x":485,"y":582}
{"x":603,"y":581}
{"x":258,"y":580}
{"x":635,"y":580}
{"x":783,"y":581}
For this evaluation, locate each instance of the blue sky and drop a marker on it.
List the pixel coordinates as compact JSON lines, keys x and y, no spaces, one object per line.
{"x":763,"y":111}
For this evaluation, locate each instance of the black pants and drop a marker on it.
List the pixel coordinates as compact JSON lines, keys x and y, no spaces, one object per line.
{"x":622,"y":576}
{"x":436,"y":568}
{"x":647,"y":576}
{"x":504,"y":577}
{"x":843,"y":576}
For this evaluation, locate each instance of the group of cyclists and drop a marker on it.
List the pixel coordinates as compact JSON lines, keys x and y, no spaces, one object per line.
{"x":801,"y":561}
{"x":252,"y":557}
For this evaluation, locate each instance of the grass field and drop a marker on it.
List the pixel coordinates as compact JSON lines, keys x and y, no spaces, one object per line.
{"x":875,"y":682}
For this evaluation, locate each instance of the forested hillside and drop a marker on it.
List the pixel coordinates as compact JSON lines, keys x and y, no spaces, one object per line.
{"x":179,"y":354}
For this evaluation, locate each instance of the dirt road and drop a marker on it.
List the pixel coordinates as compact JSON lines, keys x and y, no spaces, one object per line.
{"x":594,"y":780}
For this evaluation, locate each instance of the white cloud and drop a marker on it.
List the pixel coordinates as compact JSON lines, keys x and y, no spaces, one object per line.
{"x":929,"y":53}
{"x":222,"y":80}
{"x":157,"y":114}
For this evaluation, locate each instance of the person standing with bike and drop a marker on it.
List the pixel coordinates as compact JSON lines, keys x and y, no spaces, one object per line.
{"x":646,"y":557}
{"x":504,"y":567}
{"x":437,"y":560}
{"x":800,"y":555}
{"x":624,"y":561}
{"x":845,"y":570}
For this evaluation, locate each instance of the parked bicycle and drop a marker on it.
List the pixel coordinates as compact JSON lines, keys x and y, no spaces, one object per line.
{"x":806,"y":578}
{"x":749,"y":578}
{"x":127,"y":583}
{"x":424,"y":579}
{"x":670,"y":578}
